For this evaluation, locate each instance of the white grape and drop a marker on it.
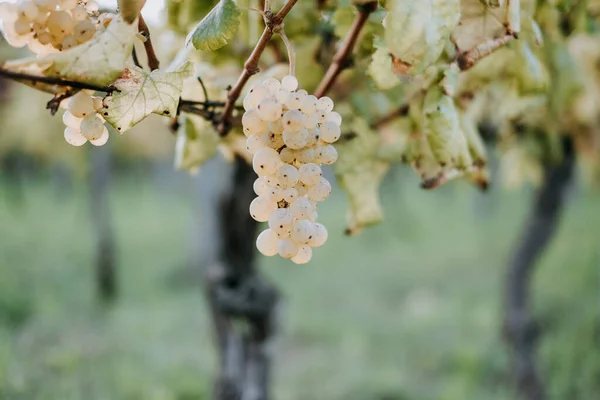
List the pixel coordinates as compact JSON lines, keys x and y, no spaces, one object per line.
{"x":289,"y":83}
{"x":81,"y":105}
{"x":252,"y":123}
{"x":71,"y":121}
{"x":98,"y":103}
{"x":22,"y":26}
{"x":320,"y":191}
{"x":74,"y":138}
{"x":79,"y":13}
{"x":319,"y":237}
{"x":330,"y":132}
{"x":254,"y":143}
{"x":272,"y":84}
{"x":28,"y":10}
{"x":310,"y":174}
{"x":275,"y":194}
{"x":44,"y":38}
{"x":92,"y":6}
{"x":293,"y":120}
{"x":313,"y":137}
{"x":301,"y":188}
{"x":303,"y":256}
{"x":288,"y":155}
{"x":59,"y":23}
{"x":310,"y":121}
{"x":305,"y":155}
{"x":273,"y":140}
{"x":257,"y":94}
{"x":313,"y":216}
{"x":84,"y":31}
{"x":68,"y":42}
{"x":295,"y":139}
{"x":301,"y":208}
{"x":276,"y":126}
{"x":269,"y":110}
{"x":326,"y":155}
{"x":266,"y":161}
{"x":287,"y":176}
{"x":92,"y":127}
{"x":68,"y":4}
{"x":290,"y":195}
{"x":325,"y":104}
{"x":281,"y":95}
{"x":287,"y":248}
{"x":261,"y":186}
{"x":302,"y":231}
{"x":321,"y":116}
{"x":261,"y":208}
{"x":267,"y":242}
{"x":102,"y":139}
{"x":308,"y":104}
{"x":334,"y":117}
{"x":281,"y":221}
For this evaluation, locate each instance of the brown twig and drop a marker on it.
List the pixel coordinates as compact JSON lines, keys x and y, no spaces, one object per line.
{"x":20,"y":77}
{"x":402,"y":111}
{"x":273,"y":24}
{"x":341,"y":60}
{"x":153,"y":62}
{"x":134,"y":56}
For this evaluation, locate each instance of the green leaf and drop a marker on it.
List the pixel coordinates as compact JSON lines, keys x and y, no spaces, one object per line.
{"x":217,"y":28}
{"x":197,"y":142}
{"x":130,"y":9}
{"x":99,"y":61}
{"x":380,"y":68}
{"x":143,"y":93}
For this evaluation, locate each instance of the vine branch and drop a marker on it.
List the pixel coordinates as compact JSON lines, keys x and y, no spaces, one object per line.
{"x":342,"y":58}
{"x":273,"y":24}
{"x":153,"y":62}
{"x":20,"y":77}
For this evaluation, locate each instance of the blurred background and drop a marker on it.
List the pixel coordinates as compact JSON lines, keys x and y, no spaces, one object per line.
{"x":408,"y":310}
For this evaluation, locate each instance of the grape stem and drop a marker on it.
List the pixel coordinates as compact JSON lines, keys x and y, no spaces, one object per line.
{"x":273,"y":24}
{"x":290,"y":50}
{"x":153,"y":62}
{"x":342,"y":59}
{"x":21,"y":77}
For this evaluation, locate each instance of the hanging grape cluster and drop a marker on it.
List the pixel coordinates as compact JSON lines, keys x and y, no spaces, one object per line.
{"x":290,"y":133}
{"x":83,"y":122}
{"x":48,"y":26}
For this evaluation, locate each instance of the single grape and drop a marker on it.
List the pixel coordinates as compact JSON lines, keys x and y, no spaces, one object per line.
{"x":295,"y":139}
{"x":38,"y":28}
{"x":289,"y":83}
{"x":330,"y":131}
{"x":98,"y":102}
{"x":273,"y":140}
{"x":73,"y":137}
{"x":257,"y":94}
{"x":302,"y":189}
{"x":44,"y":38}
{"x":334,"y":117}
{"x":79,"y":13}
{"x":313,"y":137}
{"x":22,"y":26}
{"x":267,"y":242}
{"x":275,"y":193}
{"x":313,"y":216}
{"x":59,"y":23}
{"x":71,"y":121}
{"x":320,"y":191}
{"x":281,"y":95}
{"x":287,"y":248}
{"x":287,"y":176}
{"x":293,"y":120}
{"x":254,"y":143}
{"x":281,"y":221}
{"x":261,"y":186}
{"x":288,"y":155}
{"x":92,"y":6}
{"x":266,"y":161}
{"x":325,"y":104}
{"x":68,"y":42}
{"x":269,"y":110}
{"x":252,"y":123}
{"x":272,"y":84}
{"x":84,"y":31}
{"x":310,"y":174}
{"x":81,"y":105}
{"x":101,"y":141}
{"x":28,"y":10}
{"x":303,"y":255}
{"x":301,"y":208}
{"x":276,"y":126}
{"x":261,"y":208}
{"x":290,"y":195}
{"x":302,"y":231}
{"x":92,"y":127}
{"x":306,"y":155}
{"x":326,"y":155}
{"x":308,"y":104}
{"x":319,"y":237}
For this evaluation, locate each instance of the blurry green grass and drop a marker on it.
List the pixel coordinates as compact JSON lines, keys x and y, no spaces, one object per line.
{"x":408,"y":310}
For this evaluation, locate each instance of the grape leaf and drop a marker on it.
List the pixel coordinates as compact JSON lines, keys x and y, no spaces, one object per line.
{"x":380,"y":68}
{"x":99,"y":61}
{"x":216,"y":28}
{"x":143,"y":93}
{"x":197,"y":142}
{"x":130,"y":9}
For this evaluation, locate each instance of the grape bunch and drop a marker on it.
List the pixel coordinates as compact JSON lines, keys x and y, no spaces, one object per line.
{"x":290,"y":134}
{"x":82,"y":120}
{"x":48,"y":26}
